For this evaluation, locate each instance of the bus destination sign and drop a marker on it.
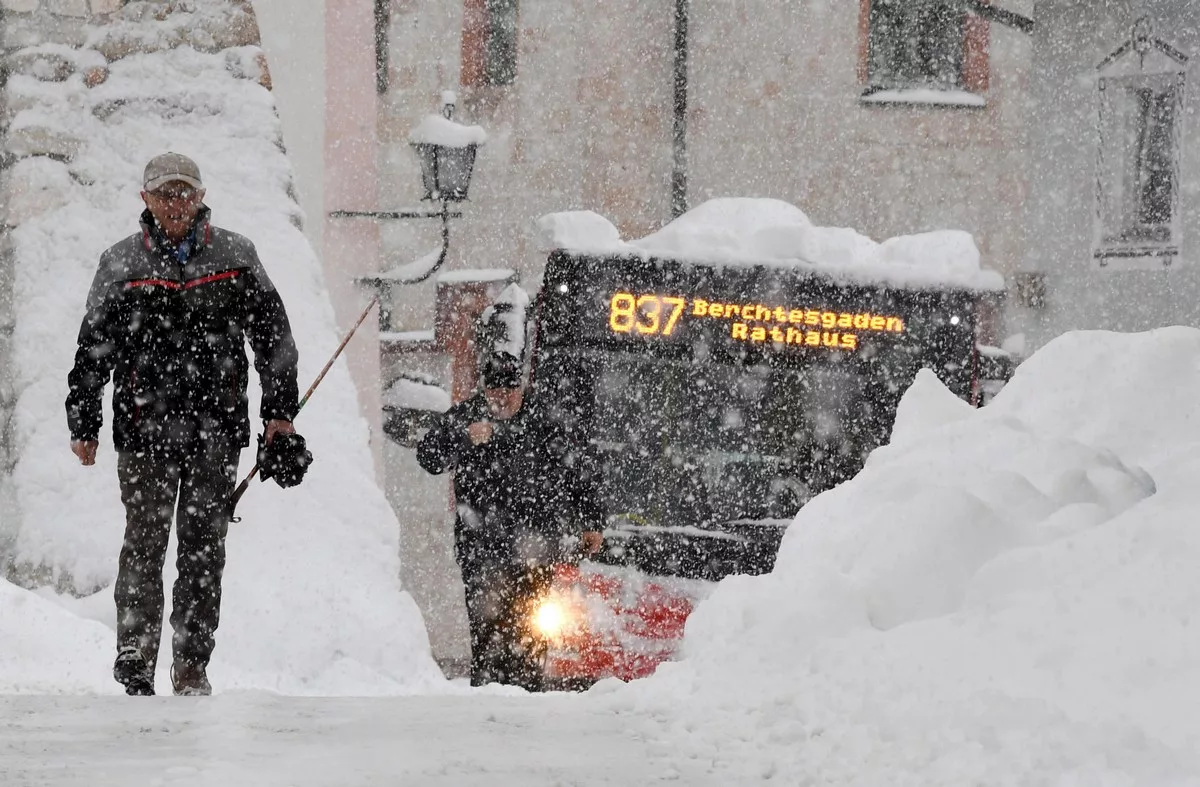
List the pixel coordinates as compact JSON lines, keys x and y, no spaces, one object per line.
{"x":653,"y":315}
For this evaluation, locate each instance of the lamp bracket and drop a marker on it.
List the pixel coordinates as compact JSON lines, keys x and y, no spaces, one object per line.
{"x":414,"y":213}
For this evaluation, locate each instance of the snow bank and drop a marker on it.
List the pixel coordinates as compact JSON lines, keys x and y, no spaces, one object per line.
{"x":48,"y":650}
{"x":1001,"y":596}
{"x":312,"y":599}
{"x":767,"y":231}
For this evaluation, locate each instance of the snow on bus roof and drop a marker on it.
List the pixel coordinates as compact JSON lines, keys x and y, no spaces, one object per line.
{"x":750,"y":231}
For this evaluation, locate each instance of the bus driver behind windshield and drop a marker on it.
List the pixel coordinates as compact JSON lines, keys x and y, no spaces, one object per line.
{"x":526,"y":500}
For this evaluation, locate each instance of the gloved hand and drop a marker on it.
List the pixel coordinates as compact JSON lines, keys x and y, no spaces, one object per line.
{"x":286,"y":459}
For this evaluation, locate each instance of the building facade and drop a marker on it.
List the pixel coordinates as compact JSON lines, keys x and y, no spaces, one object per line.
{"x":1114,"y":209}
{"x":888,"y":117}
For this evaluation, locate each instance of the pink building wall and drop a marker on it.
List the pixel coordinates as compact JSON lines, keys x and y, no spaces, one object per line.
{"x":351,"y":245}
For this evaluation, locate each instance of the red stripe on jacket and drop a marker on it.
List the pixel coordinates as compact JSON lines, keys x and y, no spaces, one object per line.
{"x":174,"y":285}
{"x":210,"y":279}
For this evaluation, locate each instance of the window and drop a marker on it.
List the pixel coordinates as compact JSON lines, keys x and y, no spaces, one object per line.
{"x":928,"y":51}
{"x":915,"y":43}
{"x":1141,"y":89}
{"x":1139,"y":161}
{"x":489,"y":49}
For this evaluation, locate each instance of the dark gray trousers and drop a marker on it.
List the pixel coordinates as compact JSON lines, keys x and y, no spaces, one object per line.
{"x":194,"y":486}
{"x":500,"y":594}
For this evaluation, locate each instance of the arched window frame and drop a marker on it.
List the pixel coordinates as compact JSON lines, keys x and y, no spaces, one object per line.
{"x":1141,"y":89}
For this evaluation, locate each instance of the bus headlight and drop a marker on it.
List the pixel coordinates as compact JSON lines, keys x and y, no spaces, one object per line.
{"x":550,"y":618}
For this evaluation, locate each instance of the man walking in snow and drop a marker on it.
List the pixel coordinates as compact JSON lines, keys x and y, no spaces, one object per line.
{"x":167,"y":318}
{"x":525,"y":497}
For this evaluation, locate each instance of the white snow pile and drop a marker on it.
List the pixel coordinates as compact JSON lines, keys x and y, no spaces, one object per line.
{"x":49,"y":649}
{"x":438,"y":130}
{"x":406,"y":394}
{"x":415,"y":271}
{"x":507,"y":314}
{"x":582,"y":230}
{"x":742,"y":230}
{"x":1006,"y":596}
{"x":49,"y":61}
{"x":312,"y":602}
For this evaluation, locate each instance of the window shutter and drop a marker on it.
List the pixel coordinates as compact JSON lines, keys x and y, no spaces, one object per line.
{"x":489,"y":42}
{"x":976,"y":57}
{"x":864,"y":41}
{"x":474,"y":43}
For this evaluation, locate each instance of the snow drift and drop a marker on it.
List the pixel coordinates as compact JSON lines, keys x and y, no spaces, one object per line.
{"x":1003,"y":596}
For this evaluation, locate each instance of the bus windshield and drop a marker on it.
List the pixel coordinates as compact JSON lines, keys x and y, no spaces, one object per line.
{"x":714,"y":429}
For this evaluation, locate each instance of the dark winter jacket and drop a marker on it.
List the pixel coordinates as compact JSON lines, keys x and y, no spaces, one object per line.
{"x":528,"y":487}
{"x":172,"y":337}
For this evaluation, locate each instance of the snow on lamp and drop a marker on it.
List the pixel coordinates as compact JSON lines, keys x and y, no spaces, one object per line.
{"x":446,"y":150}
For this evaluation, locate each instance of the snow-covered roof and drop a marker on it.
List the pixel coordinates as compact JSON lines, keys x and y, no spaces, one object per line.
{"x":741,"y":231}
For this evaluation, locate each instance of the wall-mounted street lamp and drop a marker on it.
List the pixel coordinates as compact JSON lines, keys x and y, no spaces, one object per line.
{"x":446,"y":151}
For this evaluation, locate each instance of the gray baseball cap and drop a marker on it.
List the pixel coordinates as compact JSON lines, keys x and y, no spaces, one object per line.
{"x":169,"y":167}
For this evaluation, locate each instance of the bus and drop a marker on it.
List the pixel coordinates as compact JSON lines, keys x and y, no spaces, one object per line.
{"x":719,"y":399}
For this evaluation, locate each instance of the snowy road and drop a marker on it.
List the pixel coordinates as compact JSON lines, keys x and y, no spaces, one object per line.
{"x":268,"y":740}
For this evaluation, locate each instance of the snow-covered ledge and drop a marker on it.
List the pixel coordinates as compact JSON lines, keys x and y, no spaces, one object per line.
{"x":926,"y":96}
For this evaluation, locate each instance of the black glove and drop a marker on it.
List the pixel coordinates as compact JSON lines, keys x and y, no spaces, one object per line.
{"x":285,"y":458}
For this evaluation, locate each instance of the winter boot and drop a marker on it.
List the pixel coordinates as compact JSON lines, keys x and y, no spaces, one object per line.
{"x":190,"y":680}
{"x":132,"y":672}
